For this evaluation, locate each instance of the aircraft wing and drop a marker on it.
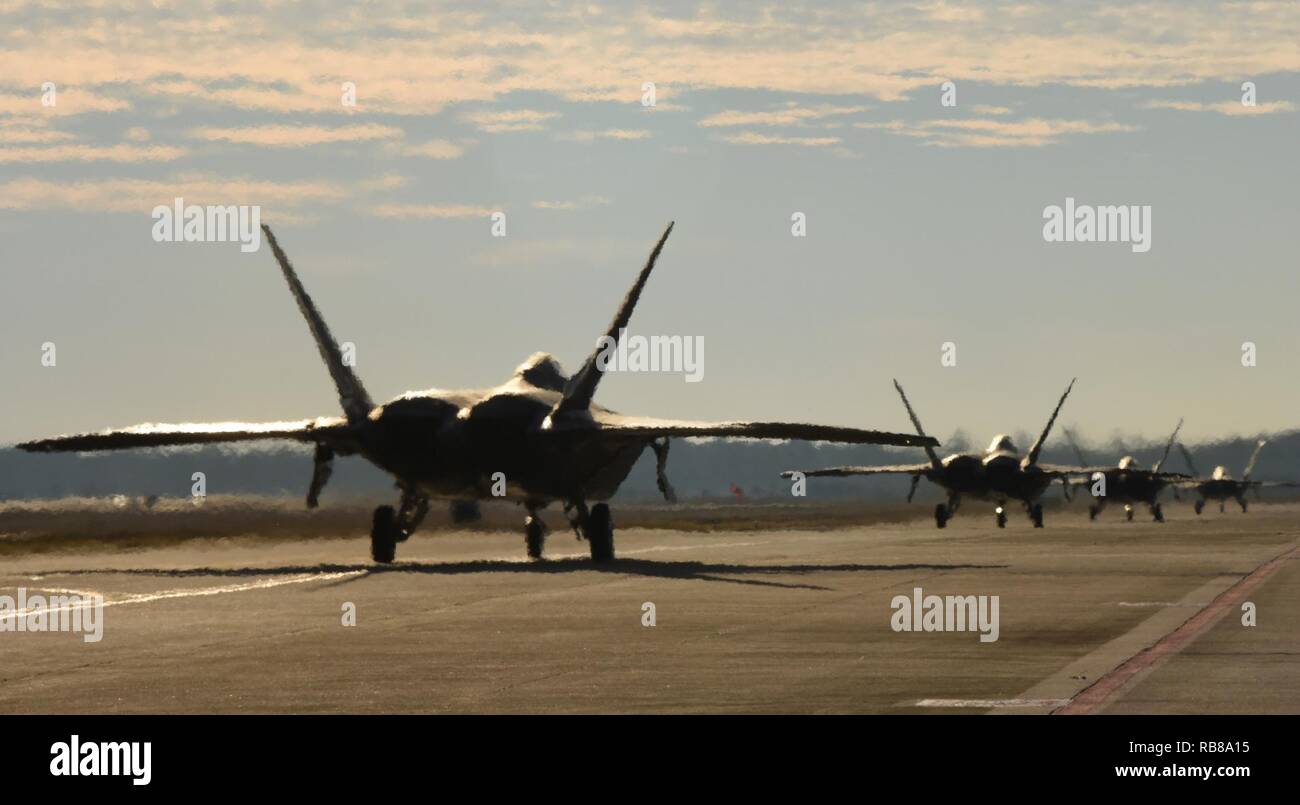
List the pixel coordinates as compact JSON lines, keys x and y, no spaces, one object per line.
{"x":1062,"y":469}
{"x":612,"y":425}
{"x":334,"y":432}
{"x":843,"y":472}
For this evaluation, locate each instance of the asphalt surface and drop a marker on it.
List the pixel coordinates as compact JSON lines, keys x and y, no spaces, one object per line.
{"x":744,"y":621}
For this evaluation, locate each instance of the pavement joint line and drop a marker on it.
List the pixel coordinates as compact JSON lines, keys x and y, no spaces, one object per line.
{"x":1076,"y":676}
{"x":1097,"y":696}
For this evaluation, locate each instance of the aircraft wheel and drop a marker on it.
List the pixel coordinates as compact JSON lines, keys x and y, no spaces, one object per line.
{"x":1158,"y":513}
{"x":1002,"y":518}
{"x":1093,"y":511}
{"x":1243,"y":506}
{"x":600,"y":533}
{"x":940,"y":515}
{"x":1036,"y":515}
{"x":534,"y":536}
{"x":1128,"y":513}
{"x":383,"y":535}
{"x":1198,"y":506}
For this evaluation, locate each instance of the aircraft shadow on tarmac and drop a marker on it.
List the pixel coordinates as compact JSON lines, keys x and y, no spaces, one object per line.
{"x":697,"y":571}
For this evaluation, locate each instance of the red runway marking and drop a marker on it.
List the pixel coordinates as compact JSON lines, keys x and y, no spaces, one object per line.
{"x":1103,"y":690}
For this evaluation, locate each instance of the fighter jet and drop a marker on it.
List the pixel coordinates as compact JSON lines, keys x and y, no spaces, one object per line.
{"x":1128,"y":483}
{"x":999,"y":475}
{"x":1221,"y":486}
{"x":538,"y":437}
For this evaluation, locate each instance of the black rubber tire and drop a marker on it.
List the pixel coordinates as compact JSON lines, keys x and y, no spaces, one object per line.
{"x":1158,"y":513}
{"x":383,"y":535}
{"x":534,"y":537}
{"x":600,"y":533}
{"x":940,"y":515}
{"x":1128,"y":514}
{"x":1093,"y":511}
{"x":1002,"y":519}
{"x":1036,"y":515}
{"x":1199,"y":506}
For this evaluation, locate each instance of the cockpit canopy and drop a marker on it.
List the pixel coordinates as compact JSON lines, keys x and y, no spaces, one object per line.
{"x":1002,"y":444}
{"x":1221,"y":474}
{"x":1128,"y":463}
{"x":543,"y":371}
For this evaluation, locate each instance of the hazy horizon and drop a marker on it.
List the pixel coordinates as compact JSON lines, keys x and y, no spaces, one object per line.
{"x":924,"y":221}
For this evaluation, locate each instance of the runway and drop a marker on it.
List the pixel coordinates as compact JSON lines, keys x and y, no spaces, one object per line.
{"x":748,"y":621}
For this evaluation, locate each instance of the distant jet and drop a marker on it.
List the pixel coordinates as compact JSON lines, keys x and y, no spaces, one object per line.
{"x":1127,"y":482}
{"x":999,"y":475}
{"x":1221,"y":485}
{"x":537,"y":438}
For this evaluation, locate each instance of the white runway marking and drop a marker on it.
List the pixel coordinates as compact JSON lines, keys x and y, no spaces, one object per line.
{"x":163,"y":595}
{"x":988,"y":704}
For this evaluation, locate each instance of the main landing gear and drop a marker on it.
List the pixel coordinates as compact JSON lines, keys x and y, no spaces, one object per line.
{"x":1002,"y":516}
{"x":595,"y":525}
{"x":1036,"y":514}
{"x":390,"y":526}
{"x":942,"y":513}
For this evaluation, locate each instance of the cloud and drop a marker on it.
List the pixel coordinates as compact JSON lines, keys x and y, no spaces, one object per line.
{"x":286,"y":59}
{"x":791,"y":115}
{"x":509,"y":120}
{"x":588,"y":136}
{"x":283,"y":136}
{"x":433,"y":149}
{"x":985,"y":109}
{"x":583,"y":203}
{"x":80,"y":152}
{"x":142,"y":195}
{"x":1231,"y":108}
{"x":69,"y":101}
{"x":432,"y":211}
{"x":25,"y":132}
{"x":985,"y":133}
{"x":754,"y":138}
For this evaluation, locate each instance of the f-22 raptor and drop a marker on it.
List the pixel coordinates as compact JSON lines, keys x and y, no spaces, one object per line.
{"x":1127,"y":482}
{"x":999,"y":475}
{"x":1221,"y":486}
{"x":540,"y":431}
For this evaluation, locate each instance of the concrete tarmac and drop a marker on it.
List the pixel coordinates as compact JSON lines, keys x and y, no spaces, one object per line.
{"x":744,"y":622}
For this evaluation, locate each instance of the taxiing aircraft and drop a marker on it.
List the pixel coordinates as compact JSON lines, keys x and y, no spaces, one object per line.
{"x":539,"y":431}
{"x":999,"y":475}
{"x":1128,"y":483}
{"x":1221,"y":486}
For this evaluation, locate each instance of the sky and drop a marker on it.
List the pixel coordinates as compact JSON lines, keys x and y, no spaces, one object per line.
{"x":924,"y":221}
